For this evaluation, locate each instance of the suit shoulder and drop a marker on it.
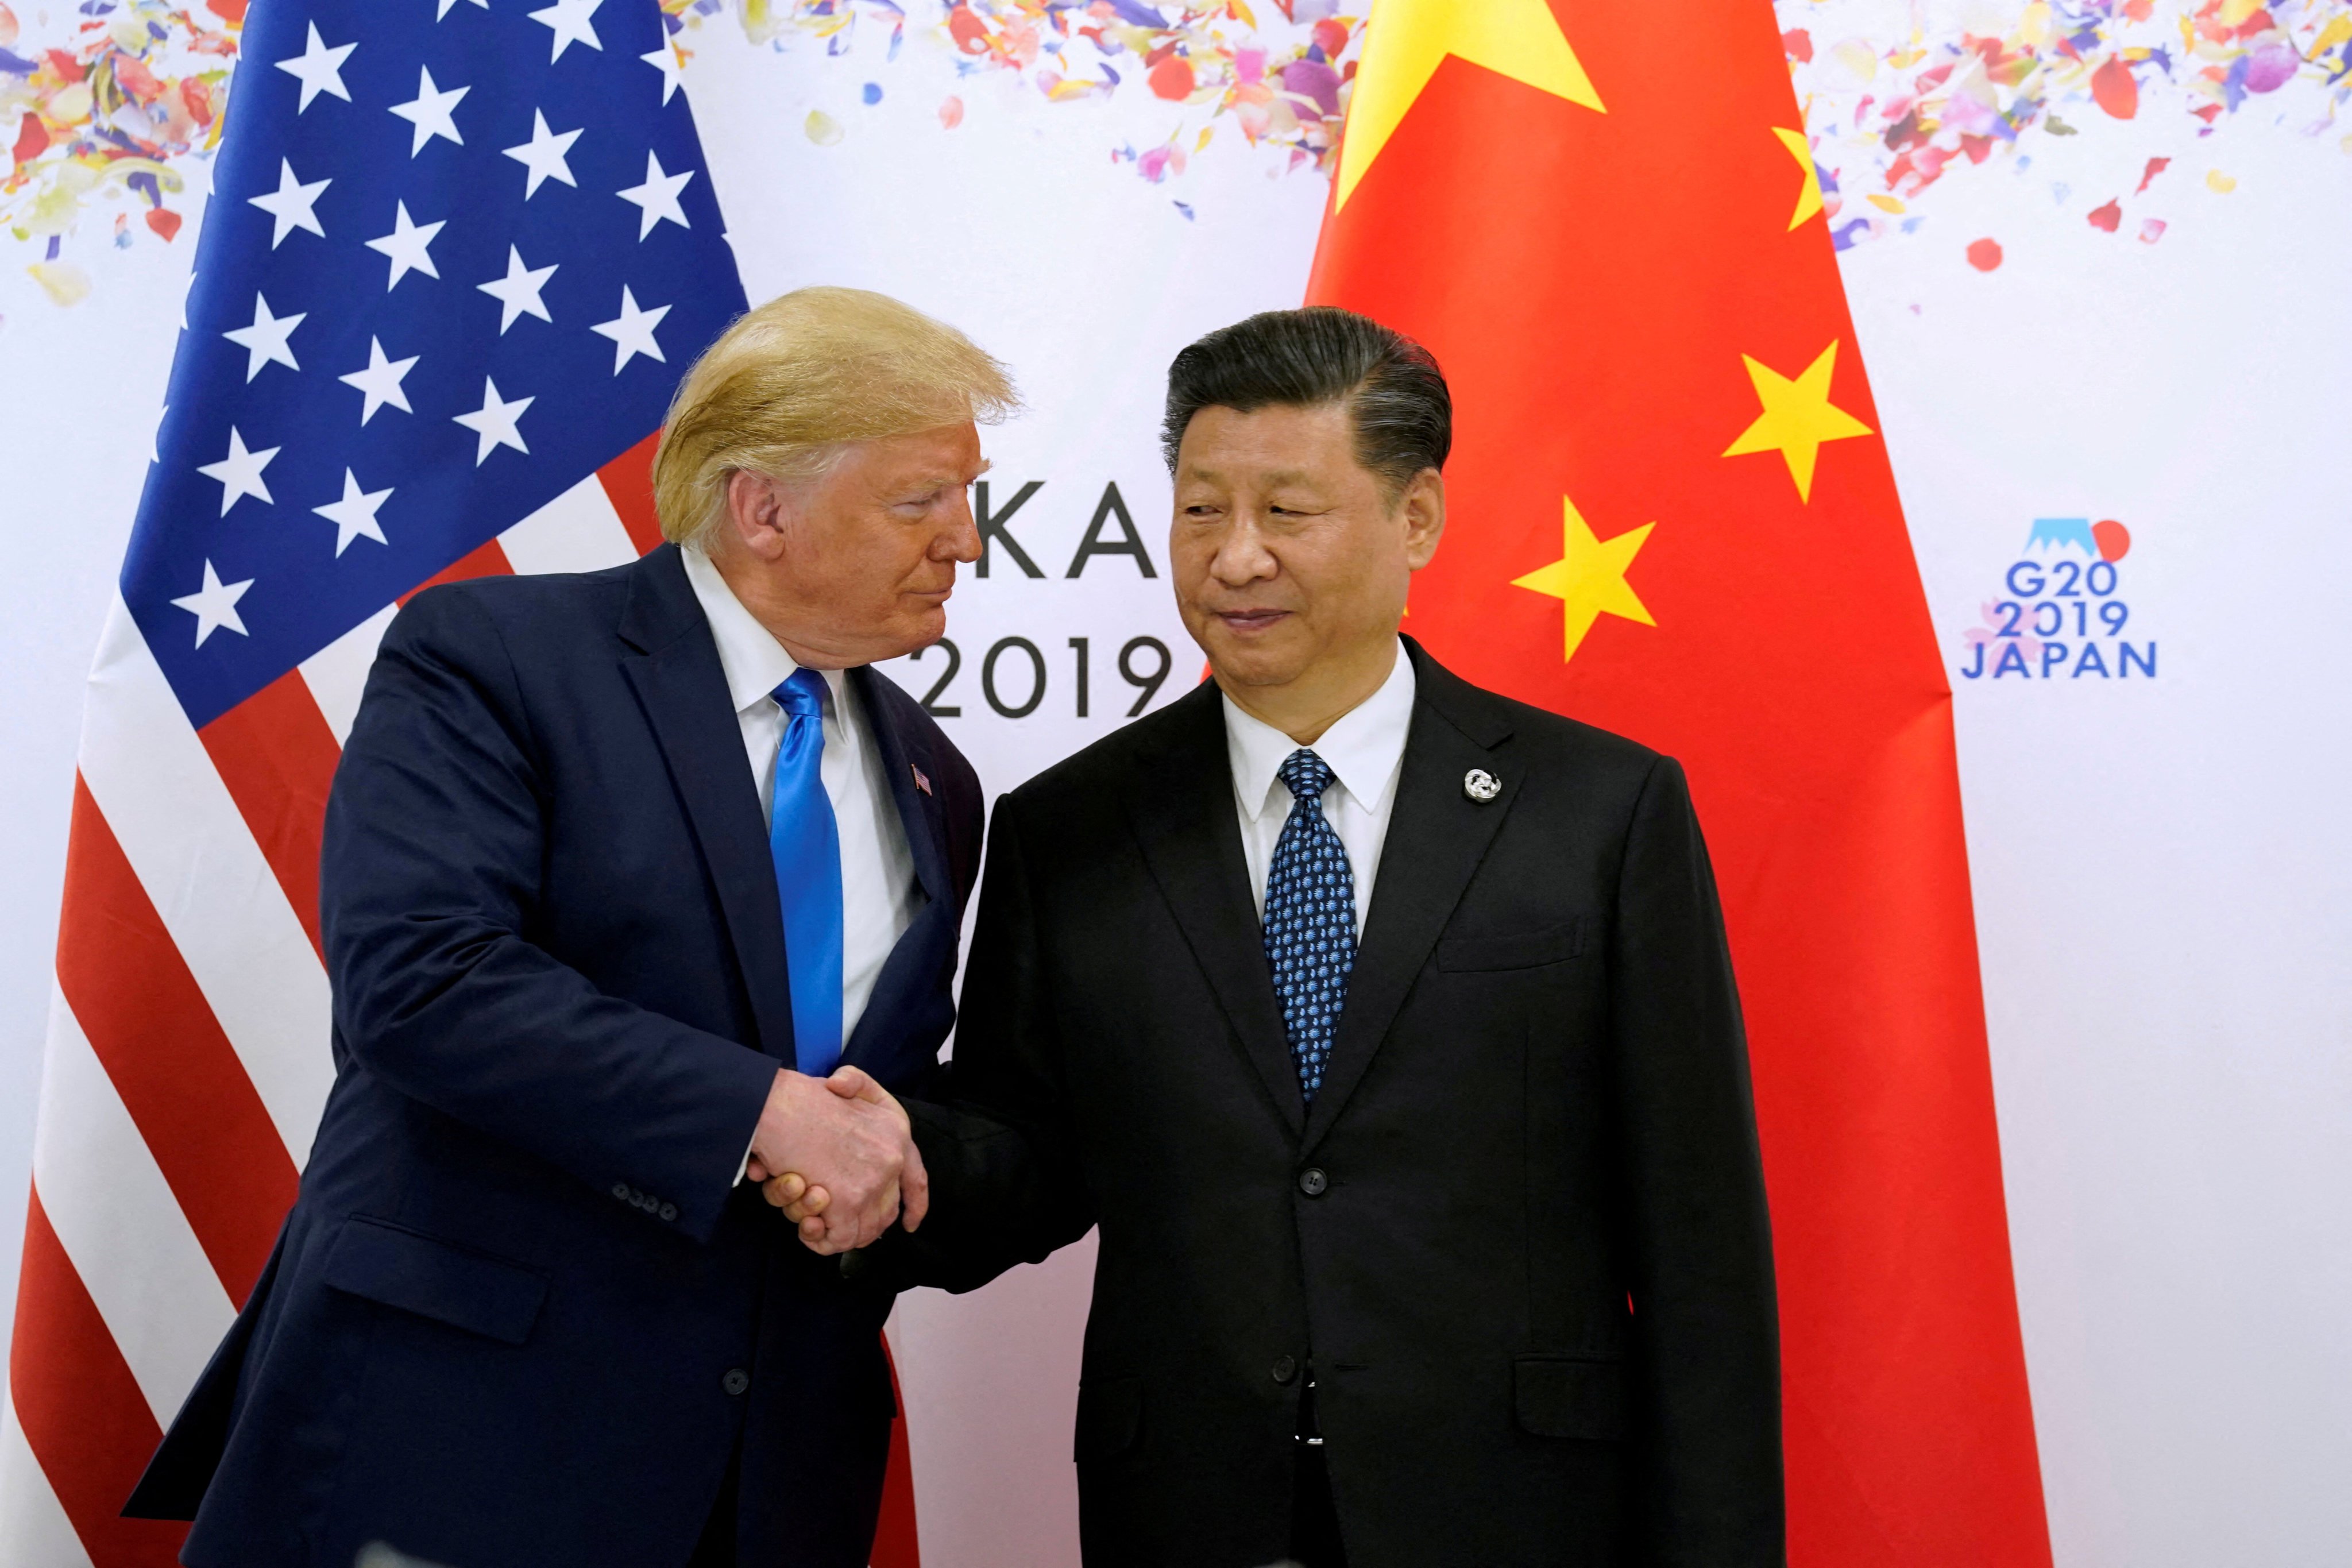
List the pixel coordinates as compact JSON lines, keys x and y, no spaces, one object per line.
{"x":1575,"y":739}
{"x":1547,"y":739}
{"x":1109,"y":763}
{"x":515,"y":610}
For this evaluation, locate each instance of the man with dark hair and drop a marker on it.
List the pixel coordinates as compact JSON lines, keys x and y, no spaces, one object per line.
{"x":1385,"y":1029}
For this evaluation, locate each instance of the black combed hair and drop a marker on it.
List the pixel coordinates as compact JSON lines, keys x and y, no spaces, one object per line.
{"x":1395,"y":393}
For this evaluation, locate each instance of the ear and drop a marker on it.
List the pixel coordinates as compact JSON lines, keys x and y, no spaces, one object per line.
{"x":1423,"y":504}
{"x":756,"y":507}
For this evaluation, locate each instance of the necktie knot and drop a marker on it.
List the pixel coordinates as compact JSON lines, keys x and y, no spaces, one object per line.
{"x":801,"y":696}
{"x":1307,"y":774}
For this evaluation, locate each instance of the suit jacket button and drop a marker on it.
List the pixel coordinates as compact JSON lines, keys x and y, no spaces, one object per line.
{"x":621,"y":1191}
{"x":736,"y":1381}
{"x":1313,"y":1181}
{"x":1283,"y":1370}
{"x":669,"y":1211}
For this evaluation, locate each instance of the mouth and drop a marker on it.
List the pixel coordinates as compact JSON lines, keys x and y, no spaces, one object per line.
{"x":1246,"y":622}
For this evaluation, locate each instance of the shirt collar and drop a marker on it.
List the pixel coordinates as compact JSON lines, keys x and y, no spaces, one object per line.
{"x":754,"y":661}
{"x":1364,"y":749}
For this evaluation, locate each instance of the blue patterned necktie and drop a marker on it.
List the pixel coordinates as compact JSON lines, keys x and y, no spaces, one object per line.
{"x":806,"y":844}
{"x":1310,"y":919}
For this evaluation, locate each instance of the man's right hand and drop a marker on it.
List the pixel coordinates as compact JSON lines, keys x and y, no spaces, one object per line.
{"x":856,"y":1148}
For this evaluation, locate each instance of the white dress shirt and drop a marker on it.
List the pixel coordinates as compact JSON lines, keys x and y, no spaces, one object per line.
{"x":1365,"y":752}
{"x":879,"y":894}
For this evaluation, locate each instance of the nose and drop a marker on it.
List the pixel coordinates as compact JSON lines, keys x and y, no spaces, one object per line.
{"x":959,"y":539}
{"x":1242,"y":557}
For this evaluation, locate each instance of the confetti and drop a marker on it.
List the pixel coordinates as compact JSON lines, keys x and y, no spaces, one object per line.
{"x":64,"y":283}
{"x":1984,"y":255}
{"x":1283,"y":82}
{"x":822,"y":128}
{"x":1920,"y":92}
{"x":2219,"y":183}
{"x":104,"y":102}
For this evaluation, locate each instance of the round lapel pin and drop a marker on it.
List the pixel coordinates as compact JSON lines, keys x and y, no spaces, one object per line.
{"x":1481,"y":785}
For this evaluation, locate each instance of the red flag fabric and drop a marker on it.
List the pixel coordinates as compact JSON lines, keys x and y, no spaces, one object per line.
{"x":1673,"y":515}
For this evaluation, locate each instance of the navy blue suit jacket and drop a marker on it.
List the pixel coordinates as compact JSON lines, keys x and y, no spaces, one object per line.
{"x":521,"y":1314}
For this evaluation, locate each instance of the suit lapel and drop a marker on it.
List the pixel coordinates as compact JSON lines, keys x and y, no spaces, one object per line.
{"x":1182,"y":804}
{"x":920,"y":811}
{"x":678,"y":681}
{"x":1437,"y":837}
{"x":922,"y":819}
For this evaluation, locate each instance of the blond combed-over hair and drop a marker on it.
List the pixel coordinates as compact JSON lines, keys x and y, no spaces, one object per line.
{"x":795,"y":381}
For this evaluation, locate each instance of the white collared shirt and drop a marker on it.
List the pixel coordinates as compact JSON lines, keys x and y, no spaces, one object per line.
{"x":1365,"y":752}
{"x":879,"y":894}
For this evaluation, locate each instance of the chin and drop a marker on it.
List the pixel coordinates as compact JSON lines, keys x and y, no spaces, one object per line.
{"x":1248,"y":665}
{"x":914,"y":633}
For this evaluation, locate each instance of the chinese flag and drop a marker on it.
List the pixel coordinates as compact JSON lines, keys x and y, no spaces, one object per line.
{"x":1672,"y":515}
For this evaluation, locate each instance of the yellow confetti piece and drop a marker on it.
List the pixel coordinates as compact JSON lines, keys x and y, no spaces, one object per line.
{"x":69,"y":104}
{"x":2217,"y":181}
{"x":64,"y":283}
{"x":1860,"y":60}
{"x":2235,"y":12}
{"x":1883,"y":203}
{"x":1206,"y":131}
{"x":822,"y":128}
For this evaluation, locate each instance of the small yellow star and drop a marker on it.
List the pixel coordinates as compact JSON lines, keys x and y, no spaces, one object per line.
{"x":1589,"y":579}
{"x":1405,"y":42}
{"x":1798,"y":417}
{"x":1809,"y":199}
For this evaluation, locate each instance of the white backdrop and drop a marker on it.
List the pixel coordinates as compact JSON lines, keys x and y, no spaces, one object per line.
{"x":2163,"y":867}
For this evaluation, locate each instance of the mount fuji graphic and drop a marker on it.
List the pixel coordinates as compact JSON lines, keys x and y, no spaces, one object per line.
{"x":2056,"y":531}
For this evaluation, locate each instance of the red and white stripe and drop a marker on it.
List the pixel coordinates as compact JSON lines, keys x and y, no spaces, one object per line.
{"x":187,"y":1055}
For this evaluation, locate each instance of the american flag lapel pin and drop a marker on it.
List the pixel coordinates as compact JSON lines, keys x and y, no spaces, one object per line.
{"x":920,"y":782}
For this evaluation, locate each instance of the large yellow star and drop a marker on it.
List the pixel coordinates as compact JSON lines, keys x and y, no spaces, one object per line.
{"x":1589,"y":579}
{"x":1405,"y":41}
{"x":1798,"y":417}
{"x":1809,"y":196}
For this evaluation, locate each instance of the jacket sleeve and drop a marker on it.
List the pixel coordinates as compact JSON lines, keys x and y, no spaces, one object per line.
{"x":428,"y":889}
{"x":1000,"y":1145}
{"x":1697,"y":1238}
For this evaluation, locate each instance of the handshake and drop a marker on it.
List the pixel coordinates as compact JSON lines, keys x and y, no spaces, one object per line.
{"x":837,"y":1155}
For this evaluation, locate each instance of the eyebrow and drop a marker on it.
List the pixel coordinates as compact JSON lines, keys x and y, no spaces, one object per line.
{"x":945,"y":480}
{"x":1279,"y":477}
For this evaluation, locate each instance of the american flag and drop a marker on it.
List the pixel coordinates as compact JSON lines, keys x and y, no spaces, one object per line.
{"x":457,"y":255}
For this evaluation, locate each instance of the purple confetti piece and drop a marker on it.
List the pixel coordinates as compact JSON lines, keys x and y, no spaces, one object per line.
{"x":2271,"y":68}
{"x":1313,"y":79}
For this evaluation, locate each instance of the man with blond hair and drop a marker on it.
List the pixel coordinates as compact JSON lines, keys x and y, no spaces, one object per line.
{"x":618,"y":869}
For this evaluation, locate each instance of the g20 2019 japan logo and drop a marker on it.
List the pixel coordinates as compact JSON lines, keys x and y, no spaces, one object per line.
{"x":2064,"y":613}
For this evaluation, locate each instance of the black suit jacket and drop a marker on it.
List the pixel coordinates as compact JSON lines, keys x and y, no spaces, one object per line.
{"x":1520,"y":1236}
{"x":521,"y":1314}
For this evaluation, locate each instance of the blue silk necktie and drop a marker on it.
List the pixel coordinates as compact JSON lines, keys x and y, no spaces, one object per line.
{"x":1310,"y":919}
{"x":805,"y":842}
